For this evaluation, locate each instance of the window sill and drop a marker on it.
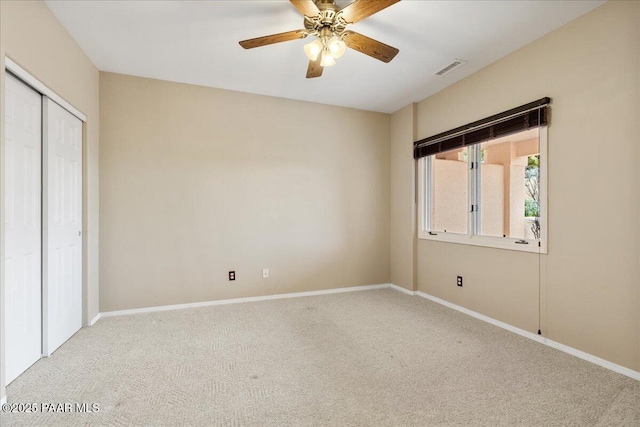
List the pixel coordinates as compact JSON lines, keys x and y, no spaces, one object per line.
{"x":485,"y":241}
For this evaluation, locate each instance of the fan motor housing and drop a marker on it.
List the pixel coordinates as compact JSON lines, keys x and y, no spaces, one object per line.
{"x":326,"y":4}
{"x":329,"y":17}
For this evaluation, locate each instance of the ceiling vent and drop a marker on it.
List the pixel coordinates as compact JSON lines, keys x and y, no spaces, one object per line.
{"x":456,"y":63}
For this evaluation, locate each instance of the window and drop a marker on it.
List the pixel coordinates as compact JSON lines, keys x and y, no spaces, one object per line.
{"x":488,"y":194}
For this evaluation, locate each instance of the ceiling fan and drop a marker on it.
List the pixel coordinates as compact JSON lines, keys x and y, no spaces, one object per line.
{"x":328,"y":22}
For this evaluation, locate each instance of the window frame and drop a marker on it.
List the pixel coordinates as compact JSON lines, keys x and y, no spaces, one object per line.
{"x":473,"y":218}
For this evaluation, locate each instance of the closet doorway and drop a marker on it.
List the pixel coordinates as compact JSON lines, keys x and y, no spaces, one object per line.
{"x":42,"y":169}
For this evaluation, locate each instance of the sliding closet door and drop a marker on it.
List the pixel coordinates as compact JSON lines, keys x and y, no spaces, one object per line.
{"x":62,"y":197}
{"x":23,"y":225}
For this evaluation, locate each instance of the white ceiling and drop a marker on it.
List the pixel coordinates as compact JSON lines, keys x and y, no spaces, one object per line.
{"x":197,"y":42}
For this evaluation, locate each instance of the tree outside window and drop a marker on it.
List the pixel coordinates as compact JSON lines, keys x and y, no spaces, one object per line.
{"x":532,"y":200}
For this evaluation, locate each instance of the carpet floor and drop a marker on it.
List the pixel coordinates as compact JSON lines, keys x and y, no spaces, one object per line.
{"x":368,"y":358}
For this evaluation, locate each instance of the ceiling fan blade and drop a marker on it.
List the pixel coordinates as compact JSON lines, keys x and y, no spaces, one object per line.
{"x":274,"y":38}
{"x":315,"y":69}
{"x":368,"y":46}
{"x":360,"y":9}
{"x":306,"y":7}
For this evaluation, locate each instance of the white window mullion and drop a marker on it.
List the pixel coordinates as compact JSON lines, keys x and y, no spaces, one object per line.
{"x":424,"y":189}
{"x":473,"y":155}
{"x":544,"y":167}
{"x":470,"y":191}
{"x":477,"y":177}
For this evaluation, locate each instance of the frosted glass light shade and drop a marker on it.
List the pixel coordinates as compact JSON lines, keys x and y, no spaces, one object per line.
{"x":327,"y":59}
{"x":313,"y":49}
{"x":337,"y":47}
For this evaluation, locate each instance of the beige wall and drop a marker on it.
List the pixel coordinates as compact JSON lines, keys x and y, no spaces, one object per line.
{"x":196,"y":182}
{"x":403,"y":221}
{"x":590,"y":287}
{"x":32,"y":37}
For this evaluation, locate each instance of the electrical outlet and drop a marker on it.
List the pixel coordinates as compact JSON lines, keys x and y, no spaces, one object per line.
{"x":459,"y":281}
{"x":232,"y":275}
{"x":265,"y":273}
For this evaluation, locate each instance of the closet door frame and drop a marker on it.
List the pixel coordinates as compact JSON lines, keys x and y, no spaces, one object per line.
{"x":46,"y":92}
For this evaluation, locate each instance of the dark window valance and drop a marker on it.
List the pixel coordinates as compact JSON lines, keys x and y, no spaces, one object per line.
{"x":517,"y":119}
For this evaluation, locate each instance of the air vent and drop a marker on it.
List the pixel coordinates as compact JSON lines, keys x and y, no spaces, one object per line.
{"x":450,"y":67}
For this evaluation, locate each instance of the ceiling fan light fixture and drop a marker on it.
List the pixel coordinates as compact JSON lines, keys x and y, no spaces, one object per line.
{"x":337,"y":47}
{"x":313,"y":49}
{"x":327,"y":58}
{"x":326,"y":21}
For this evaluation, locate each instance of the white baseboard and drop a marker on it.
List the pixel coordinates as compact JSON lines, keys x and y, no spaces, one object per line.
{"x":3,"y":400}
{"x":593,"y":359}
{"x":542,"y":340}
{"x":240,"y":300}
{"x":95,"y":319}
{"x":401,"y":289}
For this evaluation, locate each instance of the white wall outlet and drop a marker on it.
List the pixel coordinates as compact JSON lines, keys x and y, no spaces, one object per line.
{"x":265,"y":273}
